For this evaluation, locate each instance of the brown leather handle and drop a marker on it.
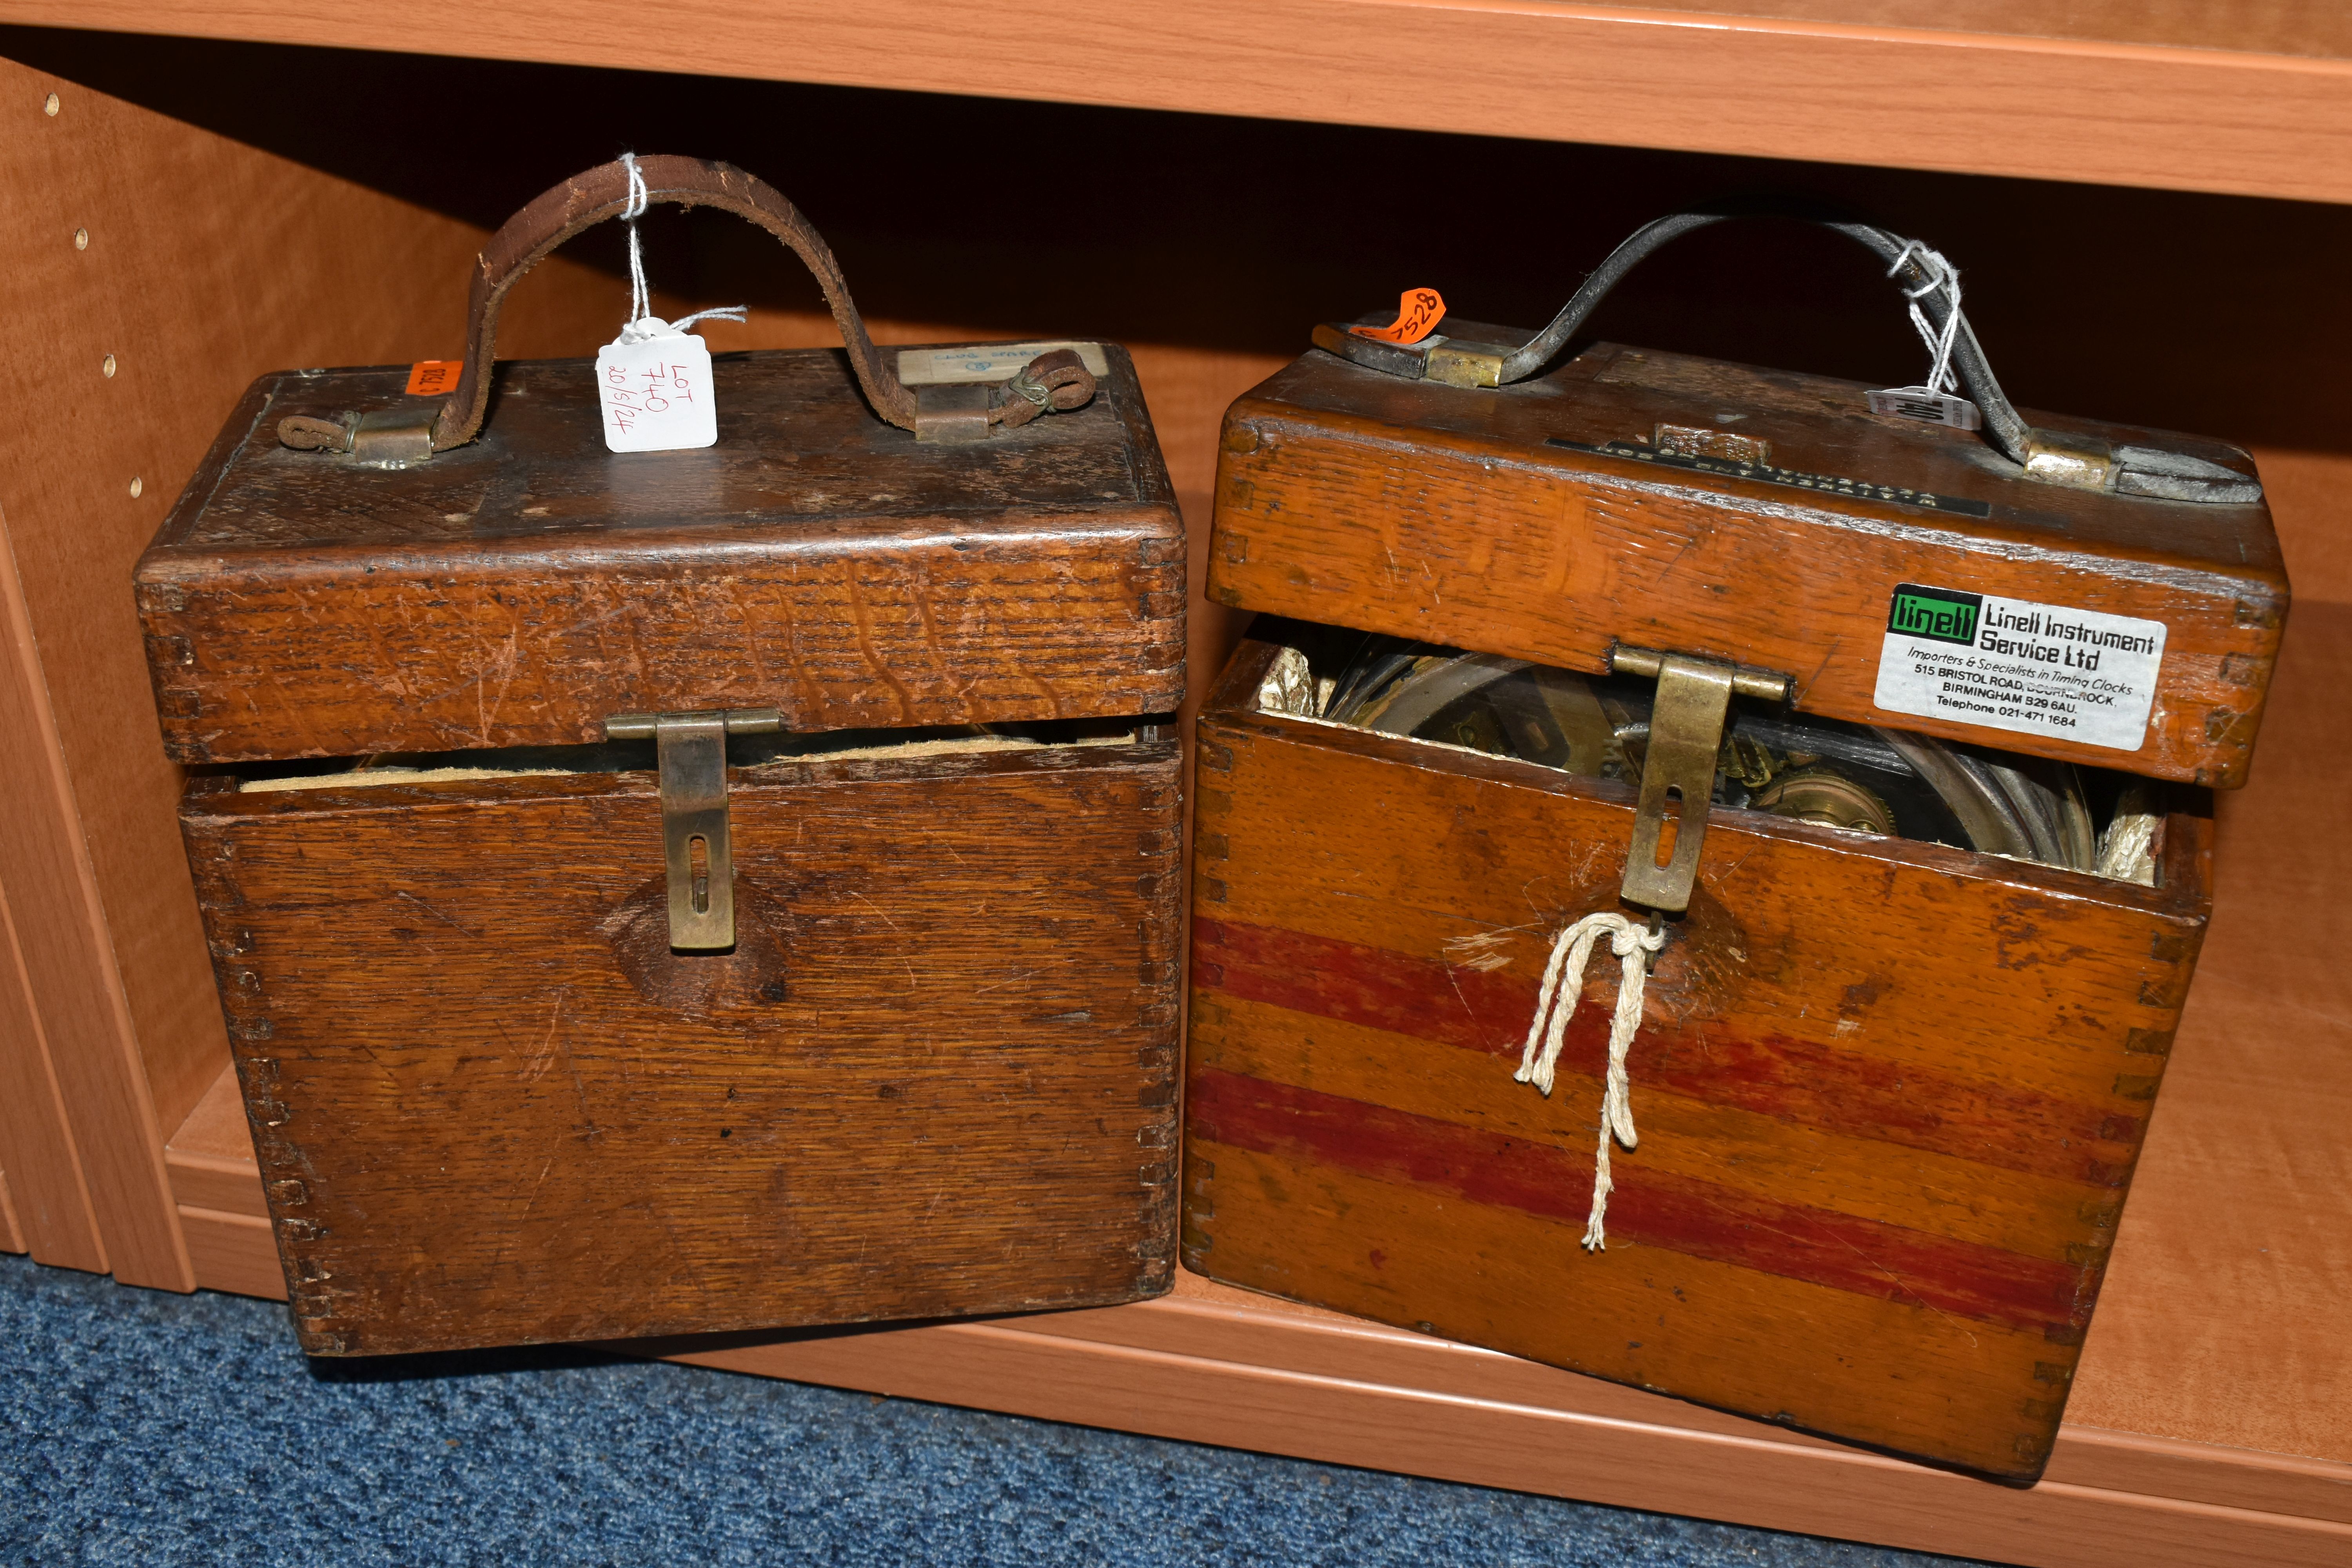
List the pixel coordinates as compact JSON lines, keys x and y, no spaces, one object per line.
{"x":1054,"y":382}
{"x":588,"y":199}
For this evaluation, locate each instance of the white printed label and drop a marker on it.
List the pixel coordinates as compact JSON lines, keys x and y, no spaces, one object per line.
{"x":989,"y":361}
{"x":2008,"y":664}
{"x":653,"y":383}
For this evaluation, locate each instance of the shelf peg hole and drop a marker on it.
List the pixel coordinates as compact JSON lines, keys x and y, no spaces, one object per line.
{"x":138,"y":487}
{"x":106,"y":367}
{"x":49,"y":106}
{"x":81,"y":240}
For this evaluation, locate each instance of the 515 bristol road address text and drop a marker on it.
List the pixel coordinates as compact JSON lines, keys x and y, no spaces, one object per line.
{"x":2009,"y":664}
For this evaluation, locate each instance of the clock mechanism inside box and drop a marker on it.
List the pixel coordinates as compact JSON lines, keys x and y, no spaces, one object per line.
{"x":1698,"y":867}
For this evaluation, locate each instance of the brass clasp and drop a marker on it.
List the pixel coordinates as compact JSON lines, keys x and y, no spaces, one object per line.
{"x":692,"y":751}
{"x":1678,"y":764}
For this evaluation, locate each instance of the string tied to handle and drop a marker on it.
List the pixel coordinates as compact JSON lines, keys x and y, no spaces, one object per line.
{"x":1941,"y":274}
{"x":648,"y":327}
{"x":640,"y":298}
{"x":643,"y":323}
{"x":1563,"y":987}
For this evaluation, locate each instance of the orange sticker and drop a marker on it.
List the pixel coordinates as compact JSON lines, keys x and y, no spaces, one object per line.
{"x":1418,"y":312}
{"x":431,"y":377}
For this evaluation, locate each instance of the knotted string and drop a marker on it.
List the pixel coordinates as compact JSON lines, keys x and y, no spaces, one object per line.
{"x":1563,"y":987}
{"x":641,"y":303}
{"x":1941,"y":274}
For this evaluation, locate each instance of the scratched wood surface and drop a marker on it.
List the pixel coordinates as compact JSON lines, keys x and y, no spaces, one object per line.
{"x":935,"y":1076}
{"x":1355,"y":499}
{"x":518,"y":590}
{"x":1890,"y":1094}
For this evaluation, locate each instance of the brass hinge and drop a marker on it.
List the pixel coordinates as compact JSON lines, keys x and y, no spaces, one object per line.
{"x":1451,"y":362}
{"x":954,"y":414}
{"x":692,"y":751}
{"x":395,"y":437}
{"x":1678,"y":764}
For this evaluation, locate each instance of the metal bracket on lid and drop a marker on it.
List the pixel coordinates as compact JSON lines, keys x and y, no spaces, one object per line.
{"x":381,"y":439}
{"x":395,"y":437}
{"x":1678,"y":766}
{"x":692,"y":749}
{"x":1451,"y":362}
{"x":952,"y":415}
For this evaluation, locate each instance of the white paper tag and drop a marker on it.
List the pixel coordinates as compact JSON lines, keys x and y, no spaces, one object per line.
{"x":1934,"y":407}
{"x":987,"y":361}
{"x":2010,"y":664}
{"x":653,"y":384}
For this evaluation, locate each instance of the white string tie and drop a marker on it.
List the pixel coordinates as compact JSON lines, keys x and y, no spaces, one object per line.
{"x":1563,"y":987}
{"x":1941,"y":274}
{"x":641,"y":303}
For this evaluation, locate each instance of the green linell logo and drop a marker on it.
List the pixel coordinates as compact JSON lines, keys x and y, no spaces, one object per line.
{"x":1939,"y":615}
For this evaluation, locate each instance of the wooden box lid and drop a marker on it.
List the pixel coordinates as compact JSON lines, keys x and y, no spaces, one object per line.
{"x":1657,"y":501}
{"x":520,"y":590}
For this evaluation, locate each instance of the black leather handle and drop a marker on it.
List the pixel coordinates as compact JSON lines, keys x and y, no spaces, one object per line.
{"x":2003,"y":428}
{"x":2127,"y":470}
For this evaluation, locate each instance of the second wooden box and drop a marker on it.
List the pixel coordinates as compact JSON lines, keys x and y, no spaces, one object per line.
{"x":1838,"y":1128}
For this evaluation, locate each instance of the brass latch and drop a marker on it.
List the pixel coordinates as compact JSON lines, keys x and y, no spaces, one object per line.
{"x":692,"y":750}
{"x":1678,"y":764}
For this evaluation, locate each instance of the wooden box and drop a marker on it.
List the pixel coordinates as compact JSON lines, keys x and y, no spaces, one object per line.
{"x":493,"y":735}
{"x":935,"y":1076}
{"x":1890,"y":1093}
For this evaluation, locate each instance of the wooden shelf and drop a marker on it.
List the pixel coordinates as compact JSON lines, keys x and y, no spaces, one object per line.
{"x":2212,"y":1421}
{"x":2128,"y":99}
{"x":1213,"y":1364}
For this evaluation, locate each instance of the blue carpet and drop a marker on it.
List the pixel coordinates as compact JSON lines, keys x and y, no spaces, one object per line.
{"x":143,"y":1428}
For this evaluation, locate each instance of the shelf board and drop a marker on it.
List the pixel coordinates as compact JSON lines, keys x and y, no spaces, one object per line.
{"x":209,"y":1160}
{"x":2126,"y":100}
{"x":12,"y":1236}
{"x":2208,"y":1423}
{"x":1211,"y":1364}
{"x":2211,"y":1417}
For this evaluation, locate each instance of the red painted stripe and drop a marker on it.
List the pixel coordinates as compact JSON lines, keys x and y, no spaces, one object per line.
{"x":1844,"y":1092}
{"x":1648,"y":1208}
